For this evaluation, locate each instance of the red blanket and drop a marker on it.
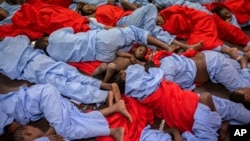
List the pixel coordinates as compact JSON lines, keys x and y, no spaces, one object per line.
{"x":240,"y":8}
{"x":43,"y":18}
{"x":141,"y":117}
{"x":109,"y":14}
{"x":230,"y":33}
{"x":194,"y":25}
{"x":86,"y":67}
{"x":63,"y":3}
{"x":173,"y":104}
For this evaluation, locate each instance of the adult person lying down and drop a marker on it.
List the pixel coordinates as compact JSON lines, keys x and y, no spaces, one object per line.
{"x":202,"y":67}
{"x":102,"y":45}
{"x":197,"y":116}
{"x":19,"y":60}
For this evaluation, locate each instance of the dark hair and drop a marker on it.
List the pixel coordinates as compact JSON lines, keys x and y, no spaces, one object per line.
{"x":121,"y":83}
{"x":2,"y":17}
{"x":149,"y":64}
{"x":42,"y":44}
{"x":16,"y":135}
{"x":217,"y":10}
{"x":239,"y":98}
{"x":79,"y":8}
{"x":140,"y":45}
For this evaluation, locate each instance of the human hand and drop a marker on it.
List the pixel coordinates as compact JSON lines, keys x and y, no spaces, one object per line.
{"x":14,"y":125}
{"x":133,"y":59}
{"x":56,"y":138}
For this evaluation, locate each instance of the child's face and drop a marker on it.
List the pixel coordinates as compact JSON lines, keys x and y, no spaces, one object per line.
{"x":225,"y":14}
{"x":31,"y":133}
{"x":140,"y":52}
{"x":160,"y":21}
{"x":88,"y":9}
{"x":3,"y":14}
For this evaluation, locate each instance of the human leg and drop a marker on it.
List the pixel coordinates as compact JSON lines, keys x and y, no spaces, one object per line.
{"x":42,"y":69}
{"x":152,"y":134}
{"x":206,"y":124}
{"x":236,"y":113}
{"x":117,"y":133}
{"x":110,"y":71}
{"x":100,"y":69}
{"x":117,"y":107}
{"x":221,"y":70}
{"x":145,"y":18}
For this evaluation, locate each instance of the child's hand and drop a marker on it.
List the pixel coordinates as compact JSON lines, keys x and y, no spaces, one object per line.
{"x":14,"y":126}
{"x":133,"y":59}
{"x":56,"y":138}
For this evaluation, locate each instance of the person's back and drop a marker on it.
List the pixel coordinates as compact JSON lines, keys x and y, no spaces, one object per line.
{"x":64,"y":45}
{"x":33,"y":65}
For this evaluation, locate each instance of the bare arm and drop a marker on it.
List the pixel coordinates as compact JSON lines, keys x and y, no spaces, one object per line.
{"x":186,"y":46}
{"x":50,"y":131}
{"x":175,"y":133}
{"x":128,"y":6}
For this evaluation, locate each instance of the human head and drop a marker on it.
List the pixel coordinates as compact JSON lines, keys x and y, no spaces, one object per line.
{"x":242,"y":94}
{"x":86,"y":9}
{"x":140,"y":51}
{"x":3,"y":14}
{"x":160,"y":20}
{"x":120,"y":79}
{"x":222,"y":12}
{"x":42,"y":43}
{"x":25,"y":133}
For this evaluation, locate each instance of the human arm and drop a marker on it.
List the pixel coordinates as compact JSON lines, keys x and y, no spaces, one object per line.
{"x":51,"y":138}
{"x":175,"y":133}
{"x":186,"y":46}
{"x":50,"y":131}
{"x":129,"y":6}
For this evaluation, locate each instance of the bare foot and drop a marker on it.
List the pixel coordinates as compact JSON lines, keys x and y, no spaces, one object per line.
{"x":117,"y":133}
{"x":121,"y":108}
{"x":223,"y":130}
{"x":174,"y":47}
{"x":195,"y":46}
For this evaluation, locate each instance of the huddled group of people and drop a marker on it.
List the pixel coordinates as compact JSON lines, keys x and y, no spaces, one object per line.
{"x":139,"y":59}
